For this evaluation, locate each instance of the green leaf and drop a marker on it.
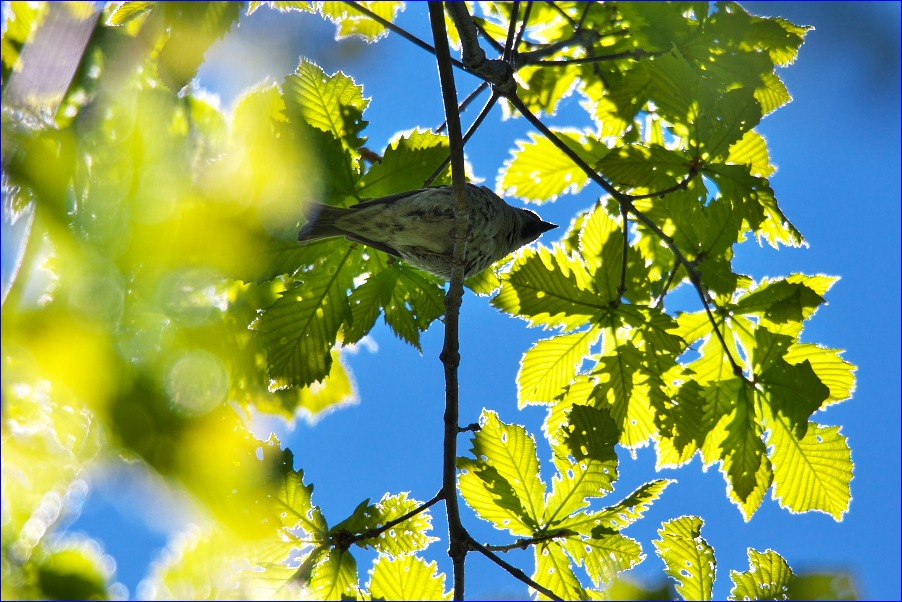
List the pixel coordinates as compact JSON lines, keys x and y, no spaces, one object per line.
{"x":549,"y":287}
{"x":601,"y":245}
{"x":631,"y":508}
{"x":751,"y":150}
{"x":329,"y":103}
{"x":768,"y":578}
{"x":294,"y":500}
{"x":811,"y":473}
{"x":353,"y":23}
{"x":492,"y":497}
{"x":406,"y":165}
{"x":407,"y":578}
{"x":409,"y":301}
{"x":334,"y":576}
{"x":404,"y":538}
{"x":606,"y":556}
{"x":795,"y":391}
{"x":538,"y":171}
{"x":510,"y":450}
{"x":553,"y":571}
{"x":689,"y":558}
{"x":835,"y":373}
{"x":624,"y":387}
{"x":745,"y":463}
{"x":586,"y":461}
{"x":552,"y":364}
{"x":298,"y":331}
{"x":193,"y":27}
{"x":647,"y":168}
{"x":541,"y":89}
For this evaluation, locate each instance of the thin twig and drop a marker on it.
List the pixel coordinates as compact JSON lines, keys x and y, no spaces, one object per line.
{"x":514,"y":571}
{"x":563,"y":13}
{"x":465,"y":104}
{"x":509,"y":45}
{"x":400,"y":31}
{"x":523,"y":543}
{"x":482,"y":115}
{"x":450,"y":356}
{"x":372,"y":533}
{"x":626,"y":248}
{"x":636,"y":54}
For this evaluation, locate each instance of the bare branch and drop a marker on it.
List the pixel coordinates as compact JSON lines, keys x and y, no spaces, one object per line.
{"x":450,"y":356}
{"x":479,"y":119}
{"x":496,"y":72}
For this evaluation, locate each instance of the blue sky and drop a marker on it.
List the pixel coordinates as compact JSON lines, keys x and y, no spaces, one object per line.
{"x":837,"y":147}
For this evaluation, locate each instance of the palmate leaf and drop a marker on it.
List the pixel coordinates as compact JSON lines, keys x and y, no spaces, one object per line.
{"x":193,"y":28}
{"x":549,"y":287}
{"x":407,"y":578}
{"x":601,"y":245}
{"x":689,"y":558}
{"x":811,"y":473}
{"x":552,"y":364}
{"x":492,"y":498}
{"x":794,"y":391}
{"x":298,"y":331}
{"x":647,"y":168}
{"x":623,"y":386}
{"x":768,"y":578}
{"x":409,"y":301}
{"x":604,"y":557}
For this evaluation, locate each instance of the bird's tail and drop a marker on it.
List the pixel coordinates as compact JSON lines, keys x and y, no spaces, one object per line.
{"x":321,"y":222}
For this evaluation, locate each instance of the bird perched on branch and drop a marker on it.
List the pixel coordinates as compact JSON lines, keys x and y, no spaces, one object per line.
{"x":417,"y":226}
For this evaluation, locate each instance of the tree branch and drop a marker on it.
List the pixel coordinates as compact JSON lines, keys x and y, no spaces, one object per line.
{"x":496,"y":72}
{"x":514,"y":571}
{"x":450,"y":356}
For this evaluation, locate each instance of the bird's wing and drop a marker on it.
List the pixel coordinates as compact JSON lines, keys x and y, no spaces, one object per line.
{"x":387,"y":200}
{"x":371,"y":243}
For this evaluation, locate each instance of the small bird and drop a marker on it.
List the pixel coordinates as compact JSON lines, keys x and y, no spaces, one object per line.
{"x":417,"y":225}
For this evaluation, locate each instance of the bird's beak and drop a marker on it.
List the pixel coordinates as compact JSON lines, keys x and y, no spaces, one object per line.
{"x":546,"y":226}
